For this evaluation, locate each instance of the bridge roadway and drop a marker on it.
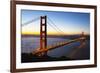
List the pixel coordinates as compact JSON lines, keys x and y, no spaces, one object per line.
{"x":58,"y":45}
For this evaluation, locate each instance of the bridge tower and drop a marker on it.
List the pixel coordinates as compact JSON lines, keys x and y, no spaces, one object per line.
{"x":82,"y":37}
{"x":43,"y":34}
{"x":82,"y":34}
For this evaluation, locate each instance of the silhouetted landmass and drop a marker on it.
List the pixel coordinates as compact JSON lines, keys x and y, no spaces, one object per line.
{"x":29,"y":57}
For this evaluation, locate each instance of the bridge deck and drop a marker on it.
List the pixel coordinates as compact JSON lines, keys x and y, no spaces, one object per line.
{"x":57,"y":45}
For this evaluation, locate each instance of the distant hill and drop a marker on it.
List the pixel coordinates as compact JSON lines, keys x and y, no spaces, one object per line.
{"x":58,"y":36}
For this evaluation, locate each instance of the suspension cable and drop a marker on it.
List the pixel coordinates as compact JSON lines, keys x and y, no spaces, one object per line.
{"x":55,"y":27}
{"x":33,"y":20}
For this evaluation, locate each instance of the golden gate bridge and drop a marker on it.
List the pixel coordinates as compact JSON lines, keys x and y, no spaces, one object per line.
{"x":42,"y":51}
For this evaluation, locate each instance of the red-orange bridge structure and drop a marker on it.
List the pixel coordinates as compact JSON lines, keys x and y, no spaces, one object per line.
{"x":43,"y":37}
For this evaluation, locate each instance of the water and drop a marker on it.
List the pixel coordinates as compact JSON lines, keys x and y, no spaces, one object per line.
{"x":30,"y":44}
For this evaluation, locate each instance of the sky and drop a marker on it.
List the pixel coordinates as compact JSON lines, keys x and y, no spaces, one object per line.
{"x":68,"y":22}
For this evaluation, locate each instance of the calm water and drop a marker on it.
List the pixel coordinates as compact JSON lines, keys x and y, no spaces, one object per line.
{"x":30,"y":44}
